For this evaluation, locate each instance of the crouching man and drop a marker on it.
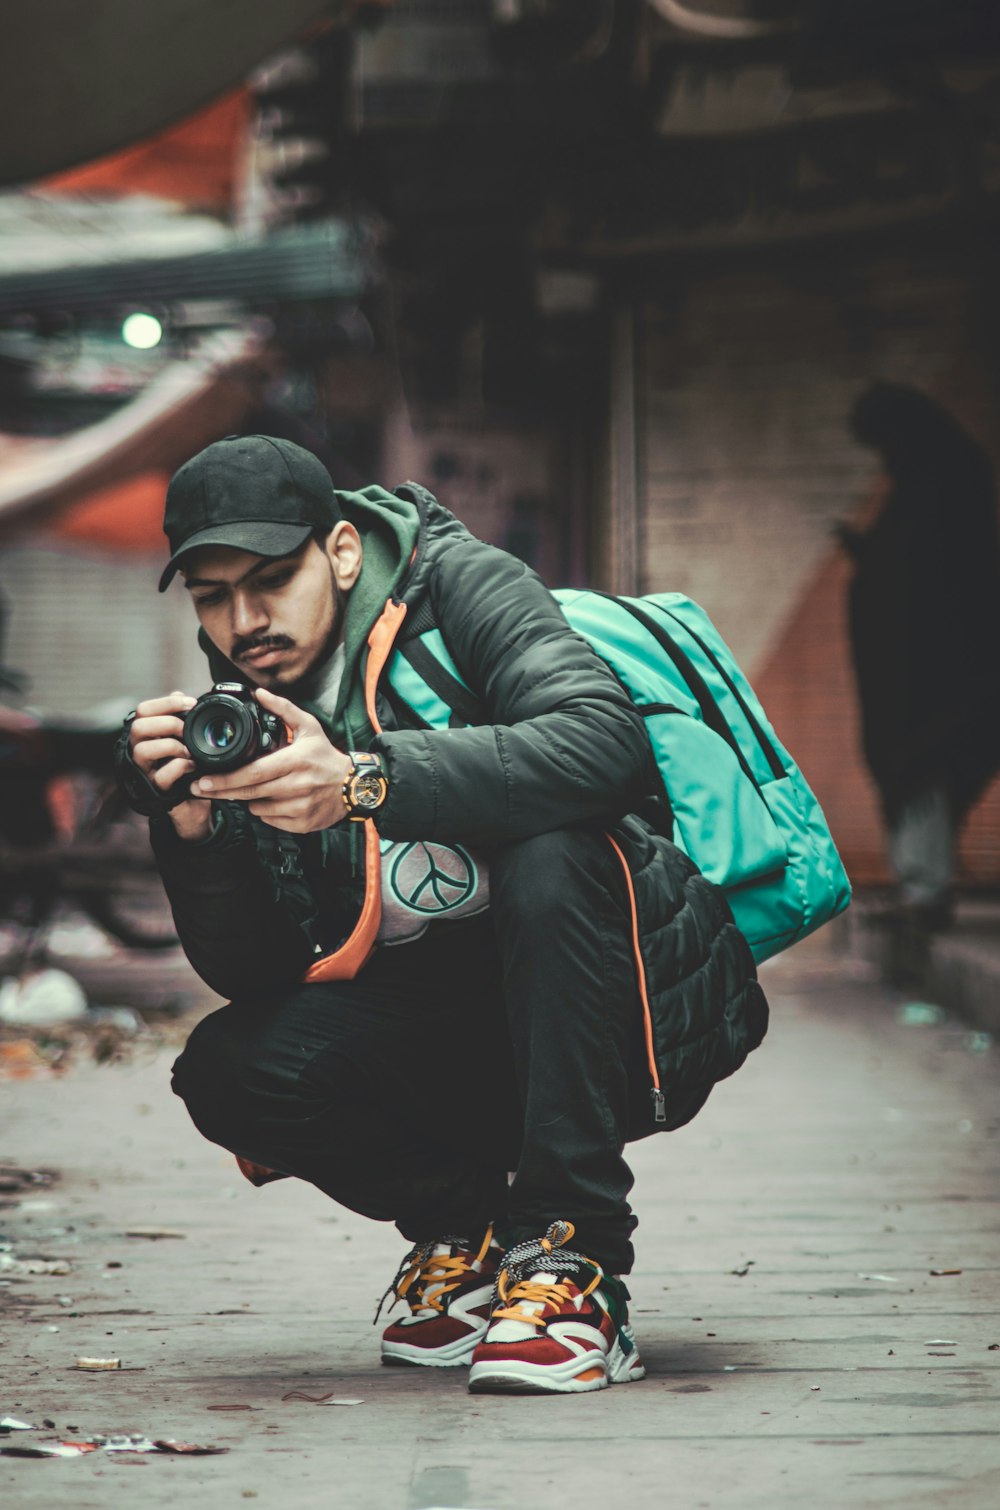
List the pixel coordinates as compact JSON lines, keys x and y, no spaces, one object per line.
{"x":449,"y":953}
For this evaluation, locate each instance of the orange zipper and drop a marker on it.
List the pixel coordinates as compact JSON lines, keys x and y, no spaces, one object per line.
{"x":659,"y":1101}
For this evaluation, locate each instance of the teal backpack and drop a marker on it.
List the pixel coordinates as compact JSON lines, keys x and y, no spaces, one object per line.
{"x":740,"y":806}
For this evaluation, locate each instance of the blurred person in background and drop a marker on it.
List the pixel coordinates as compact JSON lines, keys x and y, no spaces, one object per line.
{"x":925,"y":633}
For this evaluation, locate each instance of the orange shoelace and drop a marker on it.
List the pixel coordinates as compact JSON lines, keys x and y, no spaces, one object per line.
{"x":432,"y":1276}
{"x":550,"y":1295}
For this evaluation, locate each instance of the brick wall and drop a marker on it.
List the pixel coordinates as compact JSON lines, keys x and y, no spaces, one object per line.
{"x":746,"y":463}
{"x":89,"y":628}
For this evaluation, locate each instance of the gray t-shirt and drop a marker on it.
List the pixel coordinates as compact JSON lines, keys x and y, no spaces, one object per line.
{"x":423,"y":882}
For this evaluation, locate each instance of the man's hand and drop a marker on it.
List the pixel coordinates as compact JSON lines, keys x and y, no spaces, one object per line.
{"x":298,"y":788}
{"x":160,"y":753}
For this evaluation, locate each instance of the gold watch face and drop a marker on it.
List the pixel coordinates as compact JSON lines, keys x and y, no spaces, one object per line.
{"x":367,"y":790}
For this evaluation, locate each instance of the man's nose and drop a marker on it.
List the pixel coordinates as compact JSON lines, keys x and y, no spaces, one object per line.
{"x":249,"y":614}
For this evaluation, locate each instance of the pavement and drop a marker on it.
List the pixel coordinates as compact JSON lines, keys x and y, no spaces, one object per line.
{"x":957,"y":968}
{"x":816,"y":1296}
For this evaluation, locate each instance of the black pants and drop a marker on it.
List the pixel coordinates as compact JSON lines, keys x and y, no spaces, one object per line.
{"x":510,"y":1041}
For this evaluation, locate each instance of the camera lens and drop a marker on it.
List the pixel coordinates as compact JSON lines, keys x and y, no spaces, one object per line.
{"x":219,"y":733}
{"x":222,"y":732}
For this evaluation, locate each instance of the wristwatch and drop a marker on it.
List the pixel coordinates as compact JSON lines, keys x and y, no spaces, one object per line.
{"x":367,"y":785}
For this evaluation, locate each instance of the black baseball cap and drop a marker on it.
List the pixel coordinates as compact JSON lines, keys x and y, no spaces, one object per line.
{"x":255,"y":492}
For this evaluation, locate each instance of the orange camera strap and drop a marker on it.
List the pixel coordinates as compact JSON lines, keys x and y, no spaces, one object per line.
{"x":346,"y":961}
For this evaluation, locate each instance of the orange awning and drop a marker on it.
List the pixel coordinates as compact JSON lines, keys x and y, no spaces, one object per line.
{"x":126,"y":516}
{"x":80,"y":81}
{"x":191,"y":403}
{"x":194,"y":162}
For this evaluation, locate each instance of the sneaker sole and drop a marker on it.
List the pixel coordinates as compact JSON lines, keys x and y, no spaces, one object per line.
{"x":577,"y":1376}
{"x":457,"y":1354}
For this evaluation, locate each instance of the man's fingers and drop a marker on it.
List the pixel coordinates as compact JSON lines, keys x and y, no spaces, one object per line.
{"x":255,"y":777}
{"x":165,"y":775}
{"x":297,"y":720}
{"x":157,"y":727}
{"x":149,"y":752}
{"x":236,"y":788}
{"x":174,"y":702}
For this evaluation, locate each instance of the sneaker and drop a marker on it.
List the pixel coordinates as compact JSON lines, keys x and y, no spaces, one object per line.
{"x":448,"y":1286}
{"x":559,"y":1324}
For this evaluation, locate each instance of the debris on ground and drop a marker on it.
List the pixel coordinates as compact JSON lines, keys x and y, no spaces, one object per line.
{"x":167,"y":1444}
{"x":119,"y":1442}
{"x":16,"y":1268}
{"x":10,"y":1423}
{"x":920,"y":1014}
{"x":125,"y":1018}
{"x":42,"y":998}
{"x":15,"y":1181}
{"x":744,"y":1268}
{"x":51,"y":1050}
{"x":56,"y":1450}
{"x":105,"y":1034}
{"x":22,"y":1057}
{"x":154,"y":1234}
{"x":331,"y":1399}
{"x":95,"y":1365}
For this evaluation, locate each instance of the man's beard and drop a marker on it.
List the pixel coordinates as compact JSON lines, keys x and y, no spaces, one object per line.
{"x":298,"y":689}
{"x":302,"y":689}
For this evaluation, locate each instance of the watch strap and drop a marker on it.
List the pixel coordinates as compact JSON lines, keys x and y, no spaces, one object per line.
{"x":364,"y":763}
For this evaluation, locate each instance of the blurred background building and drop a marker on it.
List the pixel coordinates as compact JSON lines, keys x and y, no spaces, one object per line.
{"x":605,"y":275}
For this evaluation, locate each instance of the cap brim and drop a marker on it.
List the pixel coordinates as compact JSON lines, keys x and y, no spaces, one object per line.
{"x":259,"y":537}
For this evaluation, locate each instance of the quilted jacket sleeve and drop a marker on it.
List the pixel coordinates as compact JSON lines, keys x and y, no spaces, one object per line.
{"x":564,"y":742}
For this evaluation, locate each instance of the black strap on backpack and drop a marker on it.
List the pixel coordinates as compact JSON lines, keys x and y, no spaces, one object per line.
{"x":711,"y":713}
{"x":466,"y":708}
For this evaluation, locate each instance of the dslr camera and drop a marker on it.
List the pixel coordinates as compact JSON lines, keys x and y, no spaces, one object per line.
{"x":227,"y":728}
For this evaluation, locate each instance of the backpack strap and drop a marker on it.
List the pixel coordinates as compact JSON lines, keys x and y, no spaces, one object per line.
{"x":466,"y":708}
{"x":711,"y":713}
{"x":770,"y":753}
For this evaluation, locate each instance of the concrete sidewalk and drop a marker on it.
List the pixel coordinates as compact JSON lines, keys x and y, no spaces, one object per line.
{"x":958,"y":968}
{"x":802,"y":1350}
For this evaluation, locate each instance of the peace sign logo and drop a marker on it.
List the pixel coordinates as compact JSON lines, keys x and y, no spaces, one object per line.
{"x":432,"y":878}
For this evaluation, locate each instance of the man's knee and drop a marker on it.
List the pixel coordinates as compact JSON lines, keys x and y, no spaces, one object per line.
{"x":210,"y":1075}
{"x":541,"y":878}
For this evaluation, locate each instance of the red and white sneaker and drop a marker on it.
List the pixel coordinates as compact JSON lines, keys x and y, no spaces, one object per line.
{"x":559,"y":1325}
{"x":448,"y":1286}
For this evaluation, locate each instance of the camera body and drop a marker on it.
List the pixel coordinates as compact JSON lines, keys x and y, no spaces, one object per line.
{"x":227,"y":728}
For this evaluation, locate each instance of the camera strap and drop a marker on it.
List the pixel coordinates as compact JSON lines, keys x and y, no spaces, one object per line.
{"x":143,"y":795}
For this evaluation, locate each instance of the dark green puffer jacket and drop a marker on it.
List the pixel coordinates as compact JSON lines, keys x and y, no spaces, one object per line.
{"x":559,"y":743}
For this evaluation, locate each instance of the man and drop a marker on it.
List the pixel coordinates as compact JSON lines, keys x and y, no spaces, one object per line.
{"x":427,"y":935}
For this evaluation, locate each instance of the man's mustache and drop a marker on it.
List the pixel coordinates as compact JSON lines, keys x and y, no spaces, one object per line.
{"x":260,"y":642}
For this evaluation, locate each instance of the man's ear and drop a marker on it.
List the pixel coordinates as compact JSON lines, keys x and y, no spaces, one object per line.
{"x":343,"y":547}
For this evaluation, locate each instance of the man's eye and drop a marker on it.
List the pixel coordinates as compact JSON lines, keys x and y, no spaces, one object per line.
{"x":208,"y":600}
{"x":270,"y":584}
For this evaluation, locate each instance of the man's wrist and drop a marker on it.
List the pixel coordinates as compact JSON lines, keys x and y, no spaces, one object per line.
{"x":367,"y":785}
{"x":193,"y":824}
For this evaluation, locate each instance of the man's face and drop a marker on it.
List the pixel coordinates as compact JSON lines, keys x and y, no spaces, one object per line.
{"x":277,"y":619}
